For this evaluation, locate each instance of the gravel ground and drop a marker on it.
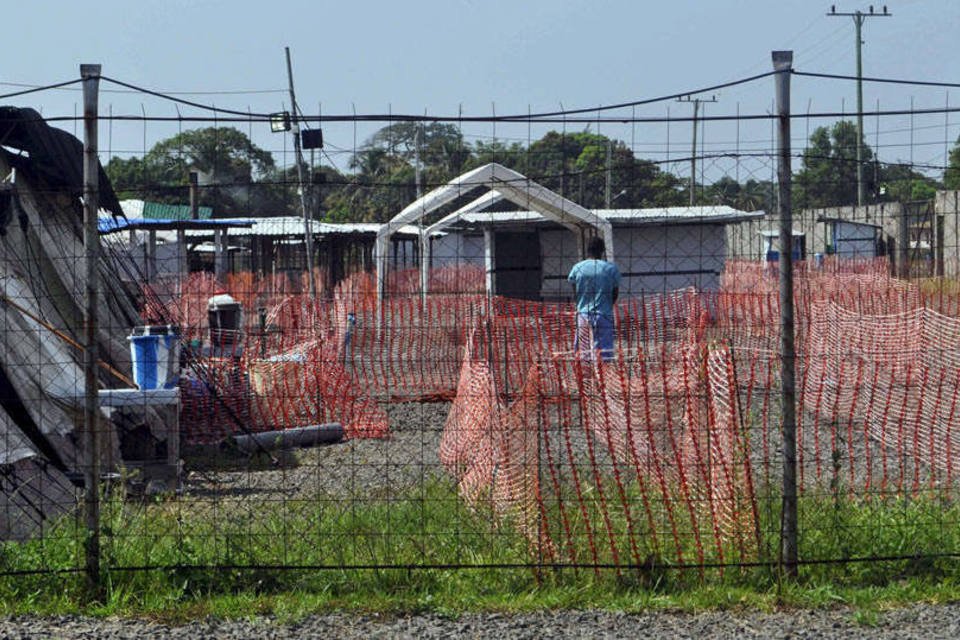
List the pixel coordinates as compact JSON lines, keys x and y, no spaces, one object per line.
{"x":355,"y":469}
{"x":363,"y":468}
{"x":920,"y":621}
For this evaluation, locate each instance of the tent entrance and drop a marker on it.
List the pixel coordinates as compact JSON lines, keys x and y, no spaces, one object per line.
{"x":518,"y":267}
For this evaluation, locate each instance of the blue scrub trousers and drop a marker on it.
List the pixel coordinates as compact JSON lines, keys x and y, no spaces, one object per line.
{"x":595,"y":333}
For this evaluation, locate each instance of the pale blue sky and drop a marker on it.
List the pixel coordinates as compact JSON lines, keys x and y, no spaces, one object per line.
{"x":443,"y":56}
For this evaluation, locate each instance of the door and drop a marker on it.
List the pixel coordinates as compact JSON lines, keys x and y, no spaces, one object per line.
{"x":517,"y":264}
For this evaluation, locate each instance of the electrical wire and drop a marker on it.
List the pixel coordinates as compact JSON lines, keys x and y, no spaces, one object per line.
{"x":38,"y":89}
{"x":220,"y":92}
{"x":424,"y":118}
{"x":917,"y":83}
{"x":189,"y":103}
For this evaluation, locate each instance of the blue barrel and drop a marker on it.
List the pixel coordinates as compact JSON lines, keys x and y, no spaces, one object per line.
{"x":155,"y":352}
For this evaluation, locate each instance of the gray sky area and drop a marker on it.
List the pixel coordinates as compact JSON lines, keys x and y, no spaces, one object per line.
{"x":477,"y":58}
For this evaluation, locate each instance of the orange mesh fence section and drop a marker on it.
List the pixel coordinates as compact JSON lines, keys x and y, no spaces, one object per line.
{"x":888,"y":386}
{"x":298,"y":361}
{"x":599,"y":463}
{"x":669,"y":449}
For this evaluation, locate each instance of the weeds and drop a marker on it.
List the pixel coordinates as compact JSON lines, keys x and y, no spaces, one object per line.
{"x":425,"y":552}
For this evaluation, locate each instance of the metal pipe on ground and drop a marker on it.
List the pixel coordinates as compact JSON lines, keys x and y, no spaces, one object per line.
{"x":308,"y":436}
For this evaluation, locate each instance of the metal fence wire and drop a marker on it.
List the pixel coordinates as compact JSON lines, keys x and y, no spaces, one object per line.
{"x":438,"y":416}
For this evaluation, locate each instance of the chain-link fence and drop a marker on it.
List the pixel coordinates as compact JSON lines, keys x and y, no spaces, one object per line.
{"x":414,"y":399}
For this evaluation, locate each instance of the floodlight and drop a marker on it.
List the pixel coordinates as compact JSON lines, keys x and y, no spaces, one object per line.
{"x":280,"y":121}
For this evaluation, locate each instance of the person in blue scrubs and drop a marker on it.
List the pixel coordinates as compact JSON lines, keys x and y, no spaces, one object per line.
{"x":596,"y":286}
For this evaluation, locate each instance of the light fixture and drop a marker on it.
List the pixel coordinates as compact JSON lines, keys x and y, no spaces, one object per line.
{"x":312,"y":138}
{"x":280,"y":121}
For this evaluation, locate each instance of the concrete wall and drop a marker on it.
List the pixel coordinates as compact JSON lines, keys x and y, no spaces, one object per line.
{"x":947,"y":208}
{"x":743,"y":239}
{"x":457,"y":248}
{"x":651,"y":259}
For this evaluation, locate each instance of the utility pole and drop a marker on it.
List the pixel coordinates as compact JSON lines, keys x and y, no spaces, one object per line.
{"x":307,"y":226}
{"x":858,"y":18}
{"x":606,"y":188}
{"x":416,"y":156}
{"x":693,"y":155}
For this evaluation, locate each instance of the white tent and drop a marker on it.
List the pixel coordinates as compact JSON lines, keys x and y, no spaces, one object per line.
{"x":504,"y":183}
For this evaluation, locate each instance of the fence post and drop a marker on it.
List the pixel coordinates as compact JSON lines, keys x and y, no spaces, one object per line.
{"x":903,"y":242}
{"x":90,"y":73}
{"x":783,"y":65}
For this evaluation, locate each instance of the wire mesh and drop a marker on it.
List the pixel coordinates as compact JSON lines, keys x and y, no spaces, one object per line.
{"x":455,"y":425}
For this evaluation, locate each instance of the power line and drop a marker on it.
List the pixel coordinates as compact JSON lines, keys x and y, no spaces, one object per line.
{"x":189,"y":103}
{"x":693,"y":157}
{"x":528,"y":117}
{"x":215,"y":92}
{"x":918,"y":83}
{"x":487,"y":119}
{"x":858,"y":19}
{"x":38,"y":89}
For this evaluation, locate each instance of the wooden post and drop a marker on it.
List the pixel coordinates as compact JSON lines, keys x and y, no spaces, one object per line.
{"x":782,"y":64}
{"x":903,"y":242}
{"x":151,"y":255}
{"x":194,"y":196}
{"x":90,"y":73}
{"x":219,"y":255}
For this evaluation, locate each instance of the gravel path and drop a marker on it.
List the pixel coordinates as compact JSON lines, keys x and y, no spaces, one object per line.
{"x":355,"y":469}
{"x":920,"y":621}
{"x":381,"y":468}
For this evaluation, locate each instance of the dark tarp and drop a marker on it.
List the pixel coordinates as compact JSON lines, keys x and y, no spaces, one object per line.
{"x":54,"y":155}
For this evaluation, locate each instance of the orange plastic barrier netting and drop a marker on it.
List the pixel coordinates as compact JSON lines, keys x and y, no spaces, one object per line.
{"x":665,"y":446}
{"x":893,"y":380}
{"x":608,"y":459}
{"x":308,"y":385}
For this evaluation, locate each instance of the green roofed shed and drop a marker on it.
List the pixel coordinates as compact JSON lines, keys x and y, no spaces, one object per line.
{"x":162,"y":211}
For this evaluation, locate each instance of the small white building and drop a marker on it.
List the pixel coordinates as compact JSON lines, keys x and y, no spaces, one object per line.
{"x":528,"y":253}
{"x":656,"y":250}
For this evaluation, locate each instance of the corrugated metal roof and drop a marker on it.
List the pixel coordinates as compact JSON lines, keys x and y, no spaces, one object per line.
{"x":293,"y":226}
{"x":109,"y":224}
{"x":658,"y":215}
{"x":158,"y":210}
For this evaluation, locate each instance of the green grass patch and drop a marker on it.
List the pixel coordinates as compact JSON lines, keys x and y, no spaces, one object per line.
{"x":426,"y":551}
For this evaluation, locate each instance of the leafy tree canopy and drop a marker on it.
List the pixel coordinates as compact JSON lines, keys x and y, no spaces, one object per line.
{"x":236,"y":176}
{"x":951,"y":177}
{"x":828,"y":176}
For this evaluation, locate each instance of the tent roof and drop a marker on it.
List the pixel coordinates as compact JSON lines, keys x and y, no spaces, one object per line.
{"x":508,"y":183}
{"x":51,"y":153}
{"x":627,"y":217}
{"x":293,"y":226}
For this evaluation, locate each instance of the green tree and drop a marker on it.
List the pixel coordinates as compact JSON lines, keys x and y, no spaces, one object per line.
{"x":382,"y":185}
{"x":575,"y":165}
{"x":513,"y":156}
{"x":439,"y":146}
{"x":756,"y":195}
{"x":753,"y":195}
{"x":236,"y":176}
{"x":951,"y":176}
{"x":899,"y":182}
{"x":383,"y":181}
{"x":828,"y":176}
{"x":724,"y":191}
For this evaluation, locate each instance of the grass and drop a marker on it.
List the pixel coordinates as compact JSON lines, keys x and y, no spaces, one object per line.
{"x":204,"y":562}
